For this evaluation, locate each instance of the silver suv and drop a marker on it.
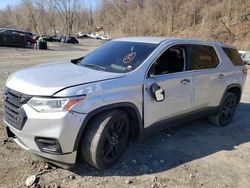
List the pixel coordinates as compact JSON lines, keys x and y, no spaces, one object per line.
{"x":127,"y":87}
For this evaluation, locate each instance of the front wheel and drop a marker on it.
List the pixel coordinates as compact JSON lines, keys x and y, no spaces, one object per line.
{"x":105,"y":139}
{"x":226,"y":110}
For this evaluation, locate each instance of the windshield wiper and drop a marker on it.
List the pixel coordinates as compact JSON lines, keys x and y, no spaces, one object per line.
{"x":98,"y":67}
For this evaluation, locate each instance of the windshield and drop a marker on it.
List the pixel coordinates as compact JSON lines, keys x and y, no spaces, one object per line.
{"x":117,"y":56}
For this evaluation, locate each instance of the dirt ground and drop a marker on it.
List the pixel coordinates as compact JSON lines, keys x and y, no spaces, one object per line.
{"x":194,"y":154}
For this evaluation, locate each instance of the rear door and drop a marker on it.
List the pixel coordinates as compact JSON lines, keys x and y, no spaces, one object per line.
{"x":208,"y":78}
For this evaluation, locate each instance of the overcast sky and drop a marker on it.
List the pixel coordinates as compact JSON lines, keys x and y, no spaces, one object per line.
{"x":5,"y":3}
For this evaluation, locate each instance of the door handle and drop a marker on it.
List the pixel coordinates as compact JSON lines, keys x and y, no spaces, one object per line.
{"x":185,"y":81}
{"x":220,"y":76}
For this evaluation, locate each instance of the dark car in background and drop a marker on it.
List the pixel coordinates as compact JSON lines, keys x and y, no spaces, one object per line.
{"x":64,"y":39}
{"x":28,"y":35}
{"x":47,"y":38}
{"x":57,"y":38}
{"x":69,"y":39}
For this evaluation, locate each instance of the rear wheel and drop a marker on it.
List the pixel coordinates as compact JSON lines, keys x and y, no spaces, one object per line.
{"x":226,"y":110}
{"x":105,"y":139}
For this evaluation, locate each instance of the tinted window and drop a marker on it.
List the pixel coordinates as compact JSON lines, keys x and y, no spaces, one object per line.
{"x":117,"y":56}
{"x":202,"y":57}
{"x":233,"y":55}
{"x":171,"y":61}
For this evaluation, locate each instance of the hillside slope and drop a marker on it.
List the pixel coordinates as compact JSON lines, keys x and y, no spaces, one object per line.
{"x":225,"y":21}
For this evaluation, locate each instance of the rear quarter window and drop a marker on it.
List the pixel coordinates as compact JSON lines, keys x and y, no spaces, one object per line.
{"x":202,"y":57}
{"x":233,"y":55}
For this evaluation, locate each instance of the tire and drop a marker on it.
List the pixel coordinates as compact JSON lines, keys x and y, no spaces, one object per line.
{"x":105,"y":139}
{"x":226,"y":110}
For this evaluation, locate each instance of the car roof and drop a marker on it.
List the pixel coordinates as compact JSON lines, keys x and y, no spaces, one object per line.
{"x":158,"y":40}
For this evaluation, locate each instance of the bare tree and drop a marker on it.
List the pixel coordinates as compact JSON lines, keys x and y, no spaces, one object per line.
{"x":31,"y":9}
{"x":67,"y":11}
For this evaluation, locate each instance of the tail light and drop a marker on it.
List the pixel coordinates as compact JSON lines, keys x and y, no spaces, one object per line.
{"x":244,"y":71}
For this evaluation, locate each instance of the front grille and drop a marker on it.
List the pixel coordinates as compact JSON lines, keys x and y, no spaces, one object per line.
{"x":14,"y":113}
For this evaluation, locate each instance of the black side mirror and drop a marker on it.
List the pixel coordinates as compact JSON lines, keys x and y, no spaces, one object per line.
{"x":76,"y":61}
{"x":158,"y":92}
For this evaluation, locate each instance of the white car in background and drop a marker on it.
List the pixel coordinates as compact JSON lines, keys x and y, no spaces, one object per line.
{"x":245,"y":55}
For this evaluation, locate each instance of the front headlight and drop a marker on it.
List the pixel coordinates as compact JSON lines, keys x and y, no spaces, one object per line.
{"x":54,"y":104}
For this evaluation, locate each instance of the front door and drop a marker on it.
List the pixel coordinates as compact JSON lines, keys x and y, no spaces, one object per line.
{"x":174,"y":85}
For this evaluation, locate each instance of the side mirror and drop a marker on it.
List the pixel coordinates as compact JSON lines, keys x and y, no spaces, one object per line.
{"x":75,"y":61}
{"x":158,"y":92}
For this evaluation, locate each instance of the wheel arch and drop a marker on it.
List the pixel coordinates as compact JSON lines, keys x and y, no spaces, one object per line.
{"x":234,"y":88}
{"x":131,"y":109}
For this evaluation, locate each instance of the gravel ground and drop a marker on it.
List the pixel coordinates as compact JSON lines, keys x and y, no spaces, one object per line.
{"x":194,"y":154}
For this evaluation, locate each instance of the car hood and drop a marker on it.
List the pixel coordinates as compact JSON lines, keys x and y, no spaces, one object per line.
{"x":47,"y":79}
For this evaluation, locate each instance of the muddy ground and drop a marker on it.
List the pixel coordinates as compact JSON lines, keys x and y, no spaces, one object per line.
{"x":194,"y":154}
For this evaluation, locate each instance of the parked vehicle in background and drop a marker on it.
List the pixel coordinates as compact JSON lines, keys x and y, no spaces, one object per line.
{"x":64,"y":39}
{"x":28,"y":36}
{"x":29,"y":40}
{"x":245,"y":55}
{"x":126,"y":88}
{"x":47,"y":38}
{"x":57,"y":38}
{"x":12,"y":40}
{"x":97,"y":36}
{"x":82,"y":35}
{"x":69,"y":39}
{"x":105,"y":38}
{"x":93,"y":36}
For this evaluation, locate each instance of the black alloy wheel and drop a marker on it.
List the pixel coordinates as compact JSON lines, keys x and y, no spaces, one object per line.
{"x":116,"y":140}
